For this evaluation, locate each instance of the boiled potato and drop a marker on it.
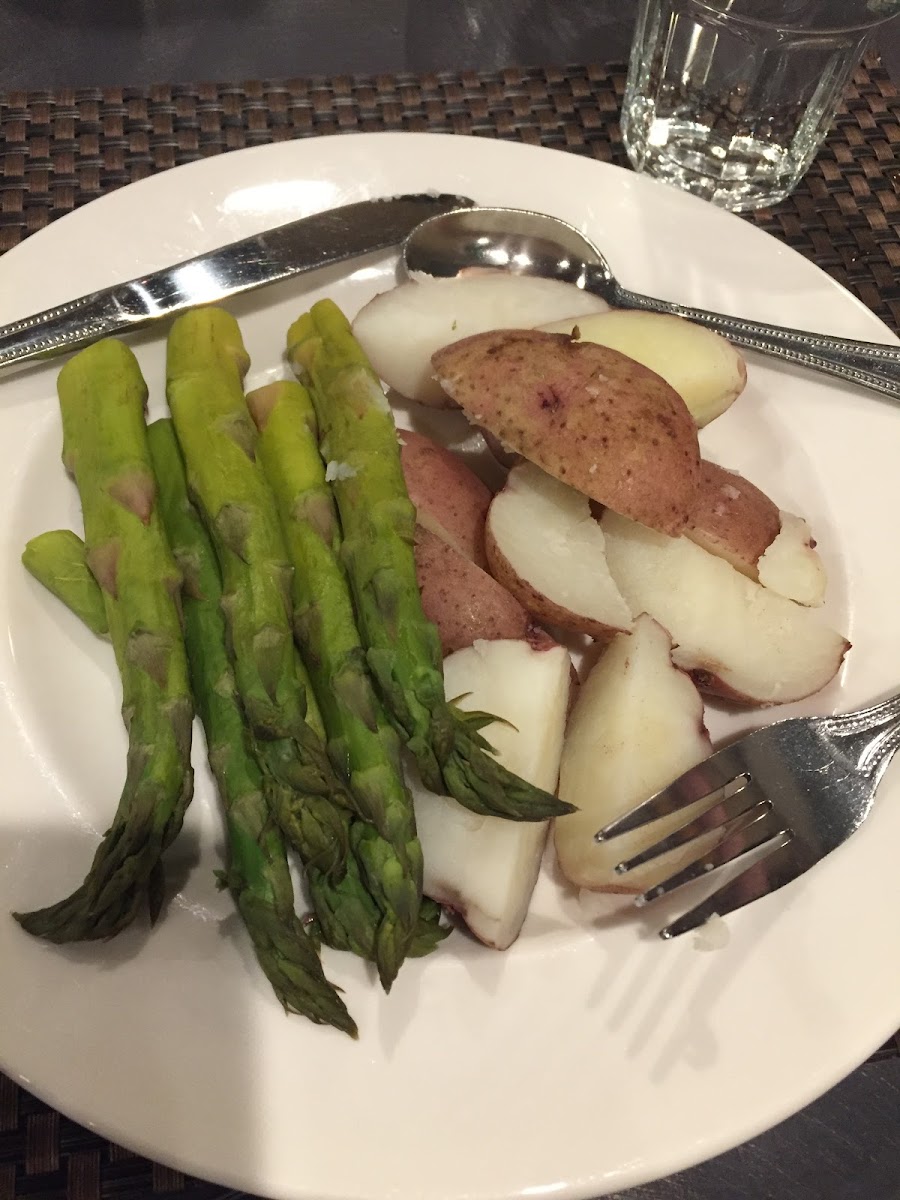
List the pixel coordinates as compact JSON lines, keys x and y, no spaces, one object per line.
{"x":401,"y":329}
{"x":545,"y":547}
{"x":738,"y":522}
{"x":451,"y":501}
{"x":706,"y":370}
{"x":587,"y":415}
{"x":636,"y":725}
{"x":465,"y":603}
{"x":791,"y":565}
{"x":485,"y":868}
{"x":737,"y":638}
{"x":733,"y":518}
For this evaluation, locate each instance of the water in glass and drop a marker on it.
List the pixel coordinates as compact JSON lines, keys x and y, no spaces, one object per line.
{"x":730,"y":99}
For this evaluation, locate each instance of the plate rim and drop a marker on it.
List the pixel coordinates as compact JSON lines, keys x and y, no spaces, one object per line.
{"x":572,"y":1189}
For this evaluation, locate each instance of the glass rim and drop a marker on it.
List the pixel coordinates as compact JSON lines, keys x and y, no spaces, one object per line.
{"x":751,"y":22}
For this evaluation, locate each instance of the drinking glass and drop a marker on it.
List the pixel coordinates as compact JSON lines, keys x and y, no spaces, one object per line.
{"x":730,"y":99}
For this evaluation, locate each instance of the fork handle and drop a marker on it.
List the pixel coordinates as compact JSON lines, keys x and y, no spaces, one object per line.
{"x":870,"y":736}
{"x":874,"y":716}
{"x":871,"y":365}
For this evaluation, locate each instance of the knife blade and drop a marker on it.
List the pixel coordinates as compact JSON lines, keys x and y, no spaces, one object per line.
{"x":303,"y":245}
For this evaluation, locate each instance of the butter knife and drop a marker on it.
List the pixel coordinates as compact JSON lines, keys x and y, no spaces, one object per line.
{"x":303,"y":245}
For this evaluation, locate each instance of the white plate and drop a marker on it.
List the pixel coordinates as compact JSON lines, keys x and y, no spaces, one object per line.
{"x":589,"y":1057}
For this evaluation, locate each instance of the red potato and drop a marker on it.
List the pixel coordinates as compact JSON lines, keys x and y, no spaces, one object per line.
{"x":451,"y":501}
{"x":704,"y":369}
{"x":739,"y":523}
{"x":485,"y":868}
{"x":737,"y":638}
{"x":791,"y":565}
{"x":733,"y":518}
{"x":401,"y":329}
{"x":464,"y":602}
{"x":585,"y":414}
{"x":545,"y":547}
{"x":636,"y":725}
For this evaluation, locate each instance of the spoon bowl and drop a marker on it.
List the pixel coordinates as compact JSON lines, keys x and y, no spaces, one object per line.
{"x":507,"y":239}
{"x":532,"y":243}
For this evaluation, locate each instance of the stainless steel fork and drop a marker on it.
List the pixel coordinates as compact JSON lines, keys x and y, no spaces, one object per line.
{"x":784,"y":796}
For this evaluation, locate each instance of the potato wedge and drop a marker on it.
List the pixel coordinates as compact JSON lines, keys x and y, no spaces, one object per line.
{"x":544,"y":546}
{"x":465,"y":603}
{"x":792,"y":566}
{"x":636,"y":725}
{"x":482,"y":867}
{"x":451,"y":501}
{"x":733,"y":518}
{"x":737,"y":638}
{"x":704,"y":369}
{"x":739,"y":523}
{"x":401,"y":329}
{"x":585,"y":414}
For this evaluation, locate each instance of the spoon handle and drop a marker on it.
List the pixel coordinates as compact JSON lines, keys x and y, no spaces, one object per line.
{"x":869,"y":364}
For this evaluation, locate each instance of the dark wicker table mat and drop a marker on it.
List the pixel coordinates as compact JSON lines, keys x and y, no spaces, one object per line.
{"x":59,"y":150}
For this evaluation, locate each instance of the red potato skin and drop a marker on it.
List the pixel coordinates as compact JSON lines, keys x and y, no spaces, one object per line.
{"x":450,"y":500}
{"x":464,"y":603}
{"x":467,"y":605}
{"x":588,"y":415}
{"x":733,"y":518}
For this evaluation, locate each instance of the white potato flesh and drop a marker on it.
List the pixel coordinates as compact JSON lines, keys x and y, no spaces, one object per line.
{"x":791,"y":566}
{"x":738,"y":638}
{"x":485,"y":868}
{"x":401,"y":329}
{"x":705,"y":369}
{"x":545,"y":547}
{"x":636,"y":725}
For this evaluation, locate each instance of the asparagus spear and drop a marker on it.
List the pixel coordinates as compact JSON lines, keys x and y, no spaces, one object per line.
{"x":206,"y":363}
{"x":359,"y":936}
{"x":57,"y":560}
{"x":403,"y":650}
{"x":346,"y":916}
{"x":102,"y":397}
{"x":257,"y":872}
{"x":361,"y":741}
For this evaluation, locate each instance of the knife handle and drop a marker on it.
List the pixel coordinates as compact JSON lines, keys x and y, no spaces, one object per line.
{"x":63,"y":328}
{"x":309,"y":243}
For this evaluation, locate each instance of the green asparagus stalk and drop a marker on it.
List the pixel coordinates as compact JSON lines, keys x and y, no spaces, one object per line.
{"x":257,"y":873}
{"x":102,"y":397}
{"x":206,"y":364}
{"x":362,"y":742}
{"x":57,"y":560}
{"x":359,"y":935}
{"x":358,"y":435}
{"x":429,"y":931}
{"x":346,"y":916}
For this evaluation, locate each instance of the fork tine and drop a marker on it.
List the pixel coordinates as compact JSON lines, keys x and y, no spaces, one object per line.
{"x":779,"y":866}
{"x":721,"y":772}
{"x":750,"y":831}
{"x":720,"y":817}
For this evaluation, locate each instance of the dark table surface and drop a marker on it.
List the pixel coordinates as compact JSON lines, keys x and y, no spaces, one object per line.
{"x":847,"y":1144}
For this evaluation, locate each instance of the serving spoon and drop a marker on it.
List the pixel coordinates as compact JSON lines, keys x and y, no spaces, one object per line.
{"x":533,"y":243}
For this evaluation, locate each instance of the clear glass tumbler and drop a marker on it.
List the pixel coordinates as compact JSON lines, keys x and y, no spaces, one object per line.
{"x":730,"y":99}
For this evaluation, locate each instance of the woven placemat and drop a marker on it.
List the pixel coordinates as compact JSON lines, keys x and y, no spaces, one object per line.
{"x":59,"y":150}
{"x":62,"y":149}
